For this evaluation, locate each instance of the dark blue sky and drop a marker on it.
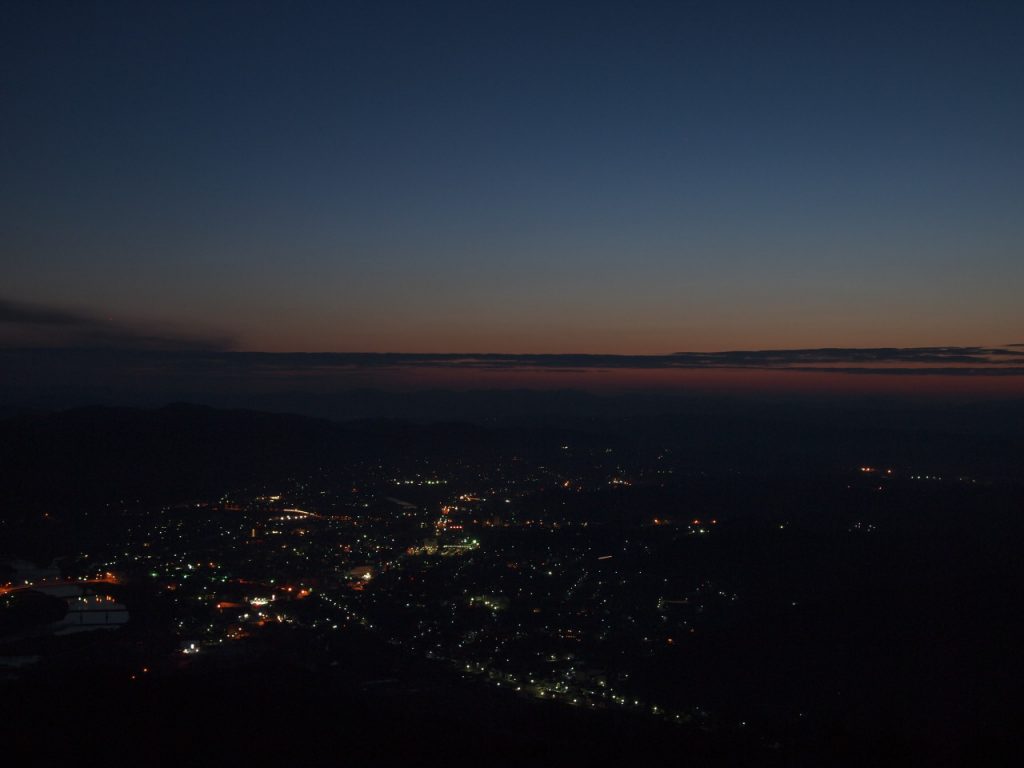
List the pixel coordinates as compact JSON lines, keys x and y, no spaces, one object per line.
{"x":518,"y":177}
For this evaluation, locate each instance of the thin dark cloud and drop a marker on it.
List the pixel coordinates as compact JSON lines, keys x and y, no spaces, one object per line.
{"x":84,"y":358}
{"x":994,"y":370}
{"x":28,"y":314}
{"x":23,"y":324}
{"x":150,"y":370}
{"x":158,"y":358}
{"x":974,"y":359}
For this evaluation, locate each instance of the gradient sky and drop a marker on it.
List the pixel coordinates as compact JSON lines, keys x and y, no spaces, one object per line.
{"x":519,"y":177}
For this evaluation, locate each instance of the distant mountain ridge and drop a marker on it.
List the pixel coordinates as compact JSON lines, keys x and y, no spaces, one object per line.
{"x":89,"y":455}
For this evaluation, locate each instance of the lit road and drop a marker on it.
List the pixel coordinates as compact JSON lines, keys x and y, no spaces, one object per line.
{"x":8,"y":589}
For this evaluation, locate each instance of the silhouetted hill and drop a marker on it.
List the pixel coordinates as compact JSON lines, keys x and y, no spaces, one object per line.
{"x":88,"y":456}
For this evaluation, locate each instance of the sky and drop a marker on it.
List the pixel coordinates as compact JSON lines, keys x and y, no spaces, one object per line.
{"x":636,"y":178}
